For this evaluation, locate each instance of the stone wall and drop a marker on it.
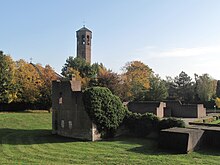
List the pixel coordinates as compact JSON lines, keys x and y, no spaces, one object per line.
{"x":177,"y":109}
{"x":212,"y":136}
{"x":180,"y":140}
{"x":156,"y":108}
{"x":184,"y":140}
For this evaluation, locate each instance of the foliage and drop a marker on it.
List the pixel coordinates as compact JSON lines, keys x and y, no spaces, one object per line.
{"x":136,"y":80}
{"x":141,"y":124}
{"x":80,"y":65}
{"x":28,"y":81}
{"x":180,"y":88}
{"x":25,"y":83}
{"x":218,"y":89}
{"x":217,"y":102}
{"x":7,"y":84}
{"x":184,"y":87}
{"x":171,"y":87}
{"x":104,"y":109}
{"x":206,"y":87}
{"x":158,"y":90}
{"x":171,"y":122}
{"x":110,"y":80}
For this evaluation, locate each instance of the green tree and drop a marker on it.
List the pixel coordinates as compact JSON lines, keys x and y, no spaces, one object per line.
{"x":158,"y":90}
{"x":184,"y":87}
{"x":7,"y":84}
{"x":172,"y":91}
{"x":218,"y":89}
{"x":85,"y":69}
{"x":206,"y":87}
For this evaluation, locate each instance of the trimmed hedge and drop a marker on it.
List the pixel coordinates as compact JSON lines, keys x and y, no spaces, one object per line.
{"x":141,"y":125}
{"x":105,"y":109}
{"x":171,"y":122}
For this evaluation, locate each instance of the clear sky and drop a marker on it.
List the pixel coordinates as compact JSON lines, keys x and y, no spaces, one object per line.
{"x":169,"y":36}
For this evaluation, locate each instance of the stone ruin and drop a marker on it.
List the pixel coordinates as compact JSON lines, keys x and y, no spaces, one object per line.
{"x":178,"y":109}
{"x":168,"y":109}
{"x":154,"y":107}
{"x":185,"y":140}
{"x":69,"y":117}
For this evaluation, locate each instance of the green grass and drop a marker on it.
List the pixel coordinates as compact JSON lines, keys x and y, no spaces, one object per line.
{"x":26,"y":139}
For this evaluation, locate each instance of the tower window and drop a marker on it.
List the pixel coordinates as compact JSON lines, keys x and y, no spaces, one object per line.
{"x":83,"y":39}
{"x":88,"y":40}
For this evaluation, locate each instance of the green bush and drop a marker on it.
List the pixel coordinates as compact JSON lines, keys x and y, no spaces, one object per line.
{"x":171,"y":122}
{"x":141,"y":125}
{"x":105,"y":109}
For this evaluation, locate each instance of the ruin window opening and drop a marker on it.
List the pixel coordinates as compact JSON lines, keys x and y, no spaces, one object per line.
{"x":70,"y":124}
{"x":62,"y":123}
{"x":60,"y":98}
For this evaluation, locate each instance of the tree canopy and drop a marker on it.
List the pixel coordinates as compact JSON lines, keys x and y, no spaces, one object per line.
{"x":22,"y":82}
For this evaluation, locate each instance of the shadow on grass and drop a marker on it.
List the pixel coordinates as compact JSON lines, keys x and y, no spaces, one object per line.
{"x":42,"y":136}
{"x":29,"y":137}
{"x":209,"y":151}
{"x":147,"y":146}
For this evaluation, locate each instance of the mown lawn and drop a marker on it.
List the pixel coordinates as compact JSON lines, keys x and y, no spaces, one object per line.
{"x":26,"y":139}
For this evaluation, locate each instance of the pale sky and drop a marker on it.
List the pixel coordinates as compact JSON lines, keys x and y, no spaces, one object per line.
{"x":169,"y":36}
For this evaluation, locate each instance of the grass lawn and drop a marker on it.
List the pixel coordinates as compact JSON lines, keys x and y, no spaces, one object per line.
{"x":26,"y":139}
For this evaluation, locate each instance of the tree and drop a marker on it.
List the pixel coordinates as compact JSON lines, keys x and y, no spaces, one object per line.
{"x":29,"y":81}
{"x":136,"y":79}
{"x":80,"y":65}
{"x":7,"y":84}
{"x":47,"y":75}
{"x":158,"y":90}
{"x":218,"y":89}
{"x":206,"y":87}
{"x":82,"y":70}
{"x":171,"y":87}
{"x":109,"y":80}
{"x":184,"y":87}
{"x":217,"y":102}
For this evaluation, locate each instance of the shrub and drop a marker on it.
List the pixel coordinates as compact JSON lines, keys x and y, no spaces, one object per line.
{"x":141,"y":124}
{"x":171,"y":122}
{"x":105,"y":109}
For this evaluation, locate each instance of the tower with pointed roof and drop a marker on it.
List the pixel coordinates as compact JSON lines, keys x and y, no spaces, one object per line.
{"x":84,"y":37}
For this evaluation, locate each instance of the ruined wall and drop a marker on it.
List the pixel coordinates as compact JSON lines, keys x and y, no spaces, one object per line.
{"x":184,"y":140}
{"x":212,"y":136}
{"x":69,"y":116}
{"x":156,"y":108}
{"x":181,"y":140}
{"x":177,"y":109}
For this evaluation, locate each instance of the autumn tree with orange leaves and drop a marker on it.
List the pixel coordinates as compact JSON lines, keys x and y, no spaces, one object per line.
{"x":136,"y":80}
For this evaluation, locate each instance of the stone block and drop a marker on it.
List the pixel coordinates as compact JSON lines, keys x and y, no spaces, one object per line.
{"x":180,"y":140}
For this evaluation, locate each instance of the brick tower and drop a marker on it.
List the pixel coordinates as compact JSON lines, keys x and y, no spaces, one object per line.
{"x":84,"y":37}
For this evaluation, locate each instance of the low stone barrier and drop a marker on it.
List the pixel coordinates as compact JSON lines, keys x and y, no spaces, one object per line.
{"x":180,"y":140}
